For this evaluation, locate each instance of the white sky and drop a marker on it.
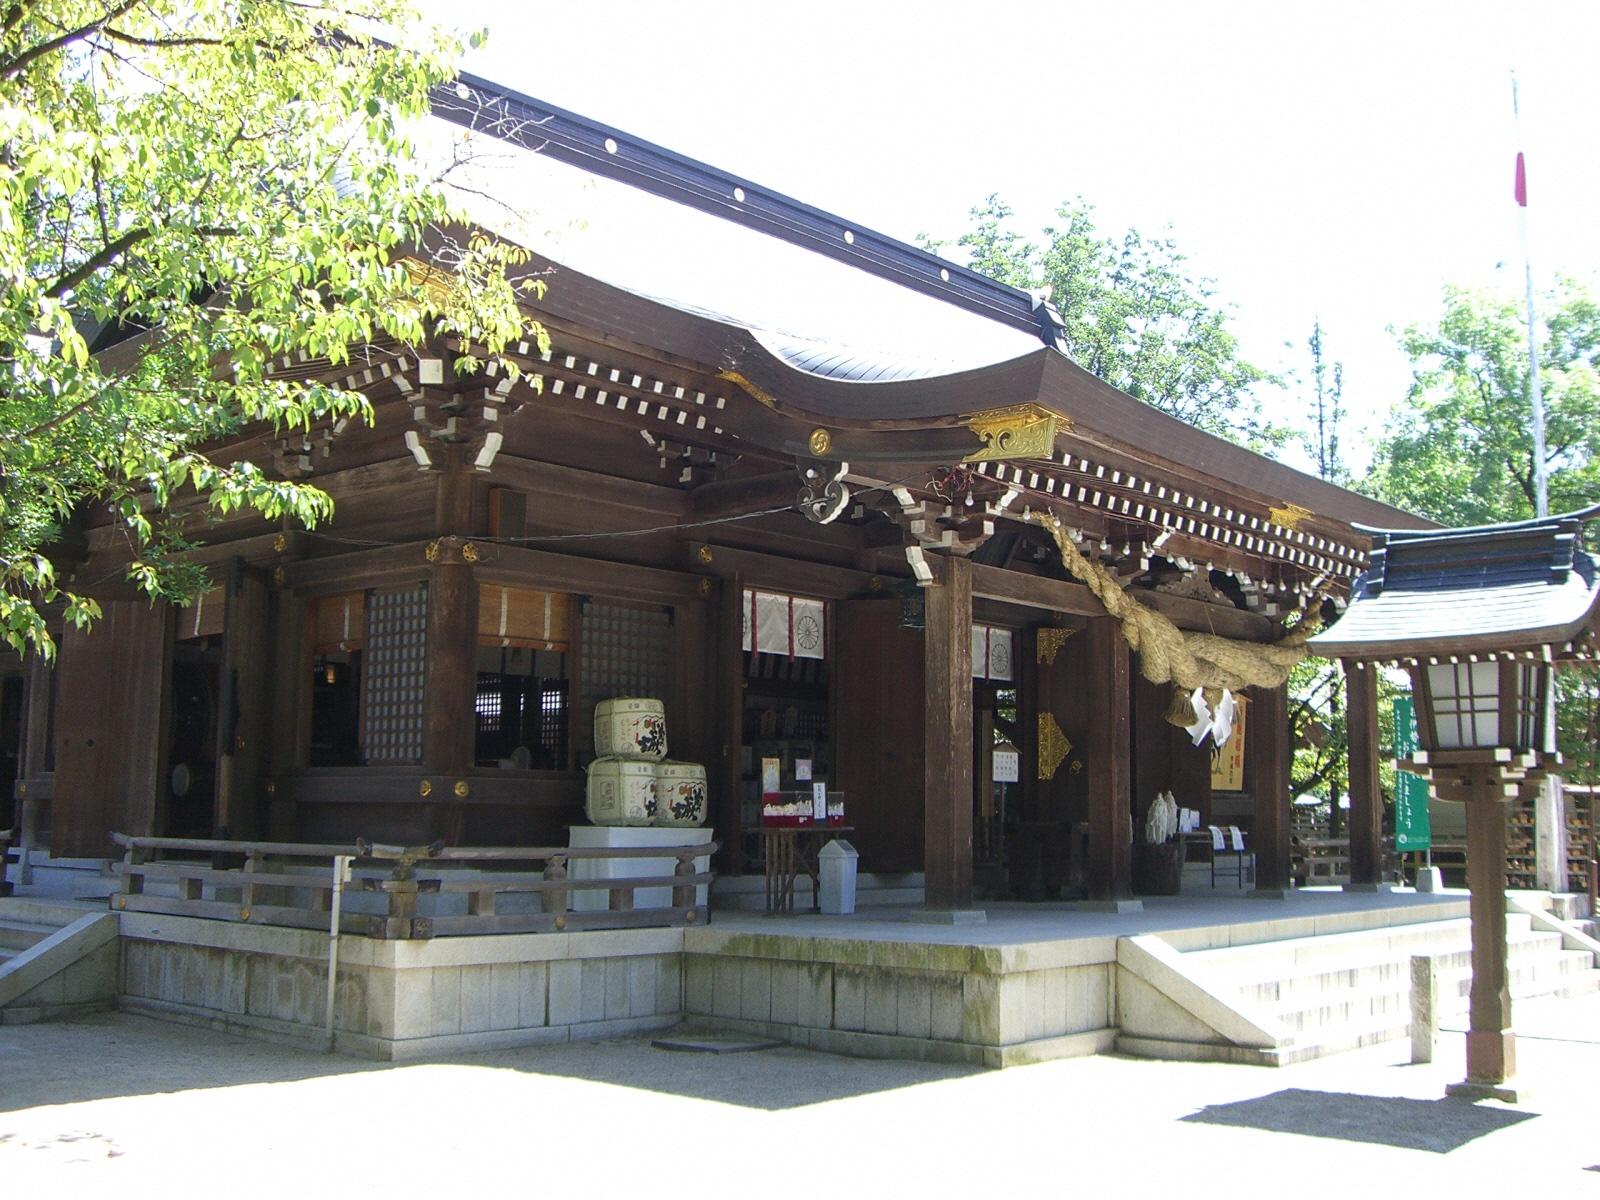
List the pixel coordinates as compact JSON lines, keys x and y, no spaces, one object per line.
{"x":1342,"y":159}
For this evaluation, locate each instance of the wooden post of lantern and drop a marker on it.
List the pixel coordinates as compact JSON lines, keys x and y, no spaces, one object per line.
{"x":1484,"y":780}
{"x":1491,"y":1045}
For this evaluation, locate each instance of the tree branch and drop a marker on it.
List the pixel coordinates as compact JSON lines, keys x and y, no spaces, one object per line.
{"x":133,"y":40}
{"x":27,"y":57}
{"x":107,"y":254}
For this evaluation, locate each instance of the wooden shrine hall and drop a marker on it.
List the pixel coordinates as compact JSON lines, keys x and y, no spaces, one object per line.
{"x":778,"y":471}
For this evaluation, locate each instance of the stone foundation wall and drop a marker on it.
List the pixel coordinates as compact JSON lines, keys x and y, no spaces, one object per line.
{"x":994,"y":1006}
{"x":401,"y":999}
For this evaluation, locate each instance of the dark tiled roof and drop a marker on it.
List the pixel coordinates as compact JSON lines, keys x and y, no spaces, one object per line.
{"x":1495,"y":587}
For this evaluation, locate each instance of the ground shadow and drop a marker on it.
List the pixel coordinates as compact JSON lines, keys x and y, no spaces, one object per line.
{"x":122,"y":1054}
{"x":1438,"y":1126}
{"x":119,"y":1054}
{"x":784,"y":1077}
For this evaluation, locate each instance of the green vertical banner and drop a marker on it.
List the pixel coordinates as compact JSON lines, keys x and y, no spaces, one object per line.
{"x":1412,"y":830}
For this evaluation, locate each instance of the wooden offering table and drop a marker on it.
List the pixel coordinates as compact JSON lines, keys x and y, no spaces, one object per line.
{"x":790,"y":851}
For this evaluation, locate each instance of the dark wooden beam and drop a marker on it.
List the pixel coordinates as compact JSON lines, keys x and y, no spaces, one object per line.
{"x":1199,"y":617}
{"x":590,"y":487}
{"x":378,"y":566}
{"x":1059,"y":595}
{"x":1108,"y":873}
{"x":518,"y":565}
{"x":781,"y":574}
{"x":947,"y":722}
{"x":1034,"y":591}
{"x":753,"y":493}
{"x":1267,"y":748}
{"x":1366,"y":799}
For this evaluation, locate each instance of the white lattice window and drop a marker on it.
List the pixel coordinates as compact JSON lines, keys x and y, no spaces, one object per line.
{"x":395,"y":670}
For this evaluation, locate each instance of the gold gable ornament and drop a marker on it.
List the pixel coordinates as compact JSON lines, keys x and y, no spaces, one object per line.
{"x":1289,"y":516}
{"x":1019,"y":431}
{"x":1050,"y":640}
{"x":760,"y":394}
{"x":1053,"y":746}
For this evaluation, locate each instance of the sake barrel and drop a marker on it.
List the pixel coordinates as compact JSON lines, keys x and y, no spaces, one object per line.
{"x":680,"y":794}
{"x":622,"y":791}
{"x":630,"y":725}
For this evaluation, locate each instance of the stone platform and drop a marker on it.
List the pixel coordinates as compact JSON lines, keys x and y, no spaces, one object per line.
{"x":1034,"y":982}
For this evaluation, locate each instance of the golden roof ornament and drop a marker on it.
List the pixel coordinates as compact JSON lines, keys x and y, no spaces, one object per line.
{"x":1017,"y":431}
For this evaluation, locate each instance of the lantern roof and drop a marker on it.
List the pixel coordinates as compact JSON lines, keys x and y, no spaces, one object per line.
{"x":1520,"y":586}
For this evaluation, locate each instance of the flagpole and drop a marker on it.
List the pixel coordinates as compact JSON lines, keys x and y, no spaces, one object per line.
{"x":1541,"y":482}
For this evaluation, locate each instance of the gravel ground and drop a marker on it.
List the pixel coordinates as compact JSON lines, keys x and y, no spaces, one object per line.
{"x":148,"y":1108}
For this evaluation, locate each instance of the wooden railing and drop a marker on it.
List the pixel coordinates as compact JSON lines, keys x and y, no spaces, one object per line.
{"x":292,"y":884}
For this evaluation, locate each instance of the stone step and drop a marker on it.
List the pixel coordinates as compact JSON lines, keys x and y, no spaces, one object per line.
{"x":1570,"y":974}
{"x":1264,"y":957}
{"x":1308,"y":956}
{"x":1567,"y":967}
{"x":1321,"y":980}
{"x":52,"y":913}
{"x":19,"y":935}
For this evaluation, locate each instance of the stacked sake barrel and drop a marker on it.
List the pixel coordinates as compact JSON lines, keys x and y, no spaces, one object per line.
{"x":631,"y":780}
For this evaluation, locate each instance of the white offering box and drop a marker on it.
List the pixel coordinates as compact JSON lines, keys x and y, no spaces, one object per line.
{"x":598,"y":899}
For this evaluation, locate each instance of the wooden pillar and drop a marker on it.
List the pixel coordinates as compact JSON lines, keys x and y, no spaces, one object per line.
{"x":1108,"y":875}
{"x":448,"y":722}
{"x":35,"y":755}
{"x":947,"y":758}
{"x":1366,"y":799}
{"x":1267,"y":747}
{"x":1491,"y":1046}
{"x":290,"y":745}
{"x":727,"y":772}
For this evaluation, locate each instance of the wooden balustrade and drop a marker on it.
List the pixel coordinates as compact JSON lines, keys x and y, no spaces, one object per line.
{"x":274,"y":874}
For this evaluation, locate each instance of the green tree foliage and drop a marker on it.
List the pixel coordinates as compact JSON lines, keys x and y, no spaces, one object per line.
{"x":1325,"y":412}
{"x":1460,"y":448}
{"x":1317,"y":695}
{"x":1135,"y":315}
{"x":233,"y":182}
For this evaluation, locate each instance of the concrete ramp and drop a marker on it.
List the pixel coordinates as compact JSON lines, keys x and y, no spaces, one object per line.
{"x":56,"y":960}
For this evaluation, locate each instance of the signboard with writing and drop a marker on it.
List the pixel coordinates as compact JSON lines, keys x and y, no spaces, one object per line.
{"x":1227,"y":760}
{"x":1412,"y":828}
{"x":1007,"y":763}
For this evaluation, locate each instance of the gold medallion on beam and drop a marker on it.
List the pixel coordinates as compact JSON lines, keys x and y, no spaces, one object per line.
{"x":1019,"y":431}
{"x":821,"y":442}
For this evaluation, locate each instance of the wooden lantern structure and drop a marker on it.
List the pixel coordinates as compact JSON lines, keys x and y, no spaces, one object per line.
{"x":1482,"y":618}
